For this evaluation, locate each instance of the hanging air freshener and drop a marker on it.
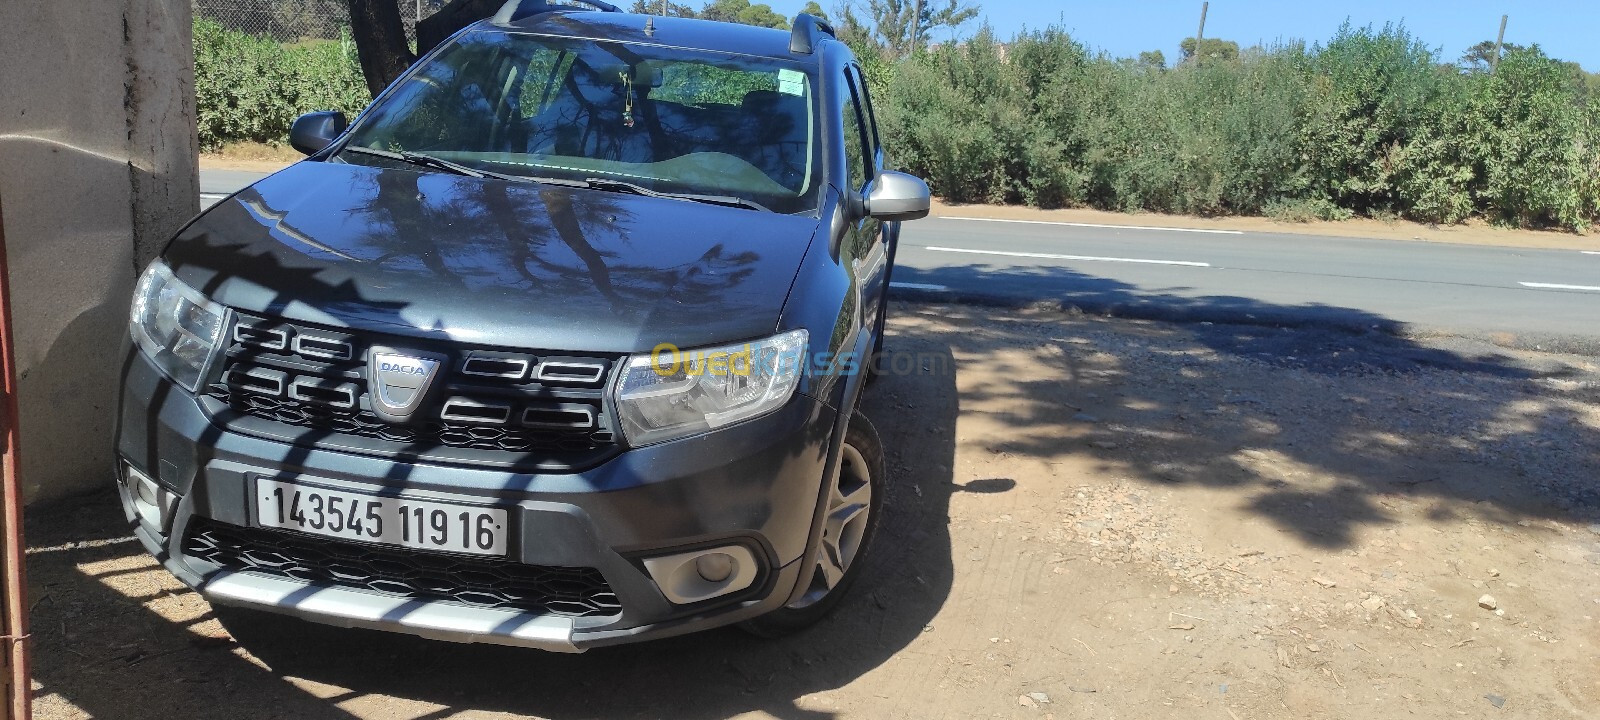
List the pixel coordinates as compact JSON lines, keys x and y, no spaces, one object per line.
{"x":627,"y":99}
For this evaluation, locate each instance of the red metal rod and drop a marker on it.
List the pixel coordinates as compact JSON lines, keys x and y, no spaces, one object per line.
{"x":16,"y":612}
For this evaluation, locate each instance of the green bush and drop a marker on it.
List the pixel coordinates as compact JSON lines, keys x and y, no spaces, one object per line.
{"x":1372,"y":123}
{"x":252,"y":88}
{"x":1003,"y":144}
{"x":1533,"y":143}
{"x":1366,"y":92}
{"x":1301,"y":210}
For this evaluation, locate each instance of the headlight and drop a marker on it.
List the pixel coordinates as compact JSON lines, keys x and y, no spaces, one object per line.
{"x":174,"y":324}
{"x":672,"y":393}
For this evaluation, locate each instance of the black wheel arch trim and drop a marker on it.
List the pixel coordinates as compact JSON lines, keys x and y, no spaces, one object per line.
{"x":849,"y":396}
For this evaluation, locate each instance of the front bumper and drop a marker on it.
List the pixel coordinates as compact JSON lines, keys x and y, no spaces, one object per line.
{"x":755,"y":485}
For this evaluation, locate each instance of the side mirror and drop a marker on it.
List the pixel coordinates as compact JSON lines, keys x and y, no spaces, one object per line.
{"x":314,"y":131}
{"x":896,"y":196}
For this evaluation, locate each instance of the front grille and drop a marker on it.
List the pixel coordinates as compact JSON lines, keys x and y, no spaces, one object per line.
{"x":512,"y":408}
{"x":466,"y":580}
{"x":362,"y":423}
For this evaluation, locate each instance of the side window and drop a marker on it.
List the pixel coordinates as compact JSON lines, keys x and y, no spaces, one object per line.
{"x":873,"y":139}
{"x":855,"y":140}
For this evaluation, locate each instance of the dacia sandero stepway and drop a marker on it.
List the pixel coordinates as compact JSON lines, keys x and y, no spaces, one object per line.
{"x":558,"y":344}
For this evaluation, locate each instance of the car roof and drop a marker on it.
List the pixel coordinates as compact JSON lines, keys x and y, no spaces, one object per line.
{"x":687,"y":33}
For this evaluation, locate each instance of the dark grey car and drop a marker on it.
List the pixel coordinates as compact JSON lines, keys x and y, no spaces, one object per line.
{"x":558,"y":344}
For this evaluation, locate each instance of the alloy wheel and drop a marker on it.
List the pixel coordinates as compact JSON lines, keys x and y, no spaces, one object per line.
{"x":849,"y":509}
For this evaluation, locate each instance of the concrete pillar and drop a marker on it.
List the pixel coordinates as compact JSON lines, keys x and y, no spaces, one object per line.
{"x":97,"y":170}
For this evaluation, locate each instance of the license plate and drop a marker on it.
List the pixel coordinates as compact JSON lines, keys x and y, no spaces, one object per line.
{"x":384,"y":520}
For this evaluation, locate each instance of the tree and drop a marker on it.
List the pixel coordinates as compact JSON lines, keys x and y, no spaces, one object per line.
{"x":1480,"y":57}
{"x":1211,"y":49}
{"x":900,"y":29}
{"x":1586,"y":83}
{"x":453,"y":16}
{"x":812,"y":8}
{"x":1152,"y":59}
{"x":662,"y":7}
{"x":860,"y":38}
{"x":380,"y":42}
{"x":741,"y":11}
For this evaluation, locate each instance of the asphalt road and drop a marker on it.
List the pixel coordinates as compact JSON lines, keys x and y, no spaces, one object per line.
{"x":218,"y":184}
{"x":1518,"y":297}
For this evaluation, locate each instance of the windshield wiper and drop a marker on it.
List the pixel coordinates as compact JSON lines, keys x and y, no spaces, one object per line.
{"x":606,"y":184}
{"x":437,"y":163}
{"x":610,"y":185}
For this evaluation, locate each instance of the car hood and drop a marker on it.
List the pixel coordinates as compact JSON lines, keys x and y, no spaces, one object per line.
{"x":493,"y":262}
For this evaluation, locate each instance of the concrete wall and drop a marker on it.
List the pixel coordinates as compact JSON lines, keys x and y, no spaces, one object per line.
{"x":97,"y":170}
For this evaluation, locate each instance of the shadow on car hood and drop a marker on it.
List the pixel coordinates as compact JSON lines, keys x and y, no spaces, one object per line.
{"x":493,"y":262}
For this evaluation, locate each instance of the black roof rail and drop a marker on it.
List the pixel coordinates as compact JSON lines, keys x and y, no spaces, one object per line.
{"x":515,"y":10}
{"x":808,"y":31}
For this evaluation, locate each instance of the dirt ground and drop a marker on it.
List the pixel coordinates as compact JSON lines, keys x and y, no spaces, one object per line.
{"x":253,"y":156}
{"x":1089,"y":518}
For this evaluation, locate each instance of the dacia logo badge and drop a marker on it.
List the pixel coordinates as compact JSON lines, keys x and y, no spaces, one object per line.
{"x":402,"y":367}
{"x":399,"y":381}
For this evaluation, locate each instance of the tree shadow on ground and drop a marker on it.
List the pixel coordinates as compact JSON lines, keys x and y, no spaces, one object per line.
{"x":100,"y":648}
{"x":1446,"y":421}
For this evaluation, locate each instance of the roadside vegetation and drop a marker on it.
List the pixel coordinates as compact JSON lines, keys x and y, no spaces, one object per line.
{"x":250,"y":88}
{"x":1372,"y":123}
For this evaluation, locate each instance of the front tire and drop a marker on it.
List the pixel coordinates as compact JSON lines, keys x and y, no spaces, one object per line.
{"x":854,"y":505}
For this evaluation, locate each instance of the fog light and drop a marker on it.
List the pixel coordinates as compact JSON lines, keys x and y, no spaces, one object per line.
{"x":151,"y":502}
{"x":690,"y":577}
{"x":714,"y":567}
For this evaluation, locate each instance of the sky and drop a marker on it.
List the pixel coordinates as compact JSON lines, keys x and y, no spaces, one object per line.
{"x":1566,"y":29}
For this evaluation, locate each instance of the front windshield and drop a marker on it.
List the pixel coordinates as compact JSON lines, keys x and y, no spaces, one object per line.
{"x":665,"y":119}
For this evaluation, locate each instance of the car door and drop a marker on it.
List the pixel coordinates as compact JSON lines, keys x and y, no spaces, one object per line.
{"x":866,"y":247}
{"x":889,"y":233}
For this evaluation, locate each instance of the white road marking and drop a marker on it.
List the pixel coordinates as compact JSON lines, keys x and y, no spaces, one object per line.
{"x":1590,"y":252}
{"x":214,"y":196}
{"x":1559,"y":286}
{"x":919,"y":286}
{"x":1052,"y":256}
{"x":1094,"y":225}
